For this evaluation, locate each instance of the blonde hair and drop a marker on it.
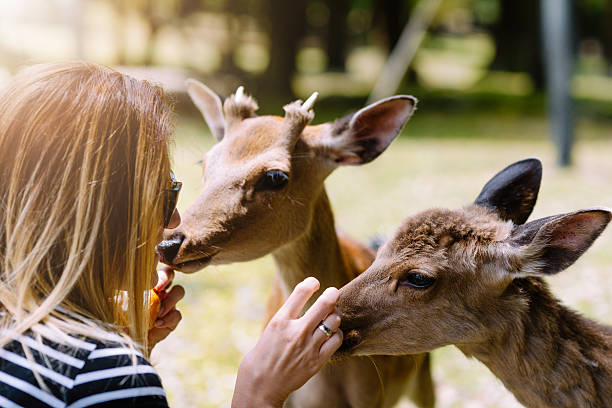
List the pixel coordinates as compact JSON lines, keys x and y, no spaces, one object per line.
{"x":84,"y":165}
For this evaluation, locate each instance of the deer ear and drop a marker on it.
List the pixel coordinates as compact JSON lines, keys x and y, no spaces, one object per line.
{"x":512,"y":193}
{"x":360,"y":137}
{"x":209,"y":105}
{"x":554,"y":243}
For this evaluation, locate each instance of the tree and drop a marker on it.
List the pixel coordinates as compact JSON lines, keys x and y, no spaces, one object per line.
{"x":286,"y":25}
{"x":336,"y":35}
{"x":517,"y":37}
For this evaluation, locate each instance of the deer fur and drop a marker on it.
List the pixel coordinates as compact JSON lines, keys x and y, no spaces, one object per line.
{"x":236,"y":219}
{"x":481,"y":289}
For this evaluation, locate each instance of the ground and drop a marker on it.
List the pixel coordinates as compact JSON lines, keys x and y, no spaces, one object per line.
{"x":441,"y":159}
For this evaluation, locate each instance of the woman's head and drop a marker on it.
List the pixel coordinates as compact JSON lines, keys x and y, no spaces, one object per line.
{"x":84,"y":166}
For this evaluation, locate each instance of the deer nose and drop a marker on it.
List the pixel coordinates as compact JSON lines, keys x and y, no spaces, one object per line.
{"x":168,"y":248}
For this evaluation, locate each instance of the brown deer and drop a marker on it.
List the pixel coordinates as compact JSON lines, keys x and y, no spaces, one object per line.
{"x":473,"y":278}
{"x":263,"y":192}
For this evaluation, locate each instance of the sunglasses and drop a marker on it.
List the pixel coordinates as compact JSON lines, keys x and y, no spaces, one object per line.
{"x":170,"y":199}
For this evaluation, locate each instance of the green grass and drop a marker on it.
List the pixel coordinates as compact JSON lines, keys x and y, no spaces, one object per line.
{"x":440,"y":160}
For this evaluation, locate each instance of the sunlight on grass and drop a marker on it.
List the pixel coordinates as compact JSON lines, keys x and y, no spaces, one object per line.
{"x":224,"y":306}
{"x":592,"y":86}
{"x":505,"y":83}
{"x":453,"y":63}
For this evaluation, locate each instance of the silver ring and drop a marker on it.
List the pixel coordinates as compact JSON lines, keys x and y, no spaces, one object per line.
{"x":325,"y":330}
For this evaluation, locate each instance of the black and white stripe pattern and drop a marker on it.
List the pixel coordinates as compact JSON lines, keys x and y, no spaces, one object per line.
{"x":77,"y":372}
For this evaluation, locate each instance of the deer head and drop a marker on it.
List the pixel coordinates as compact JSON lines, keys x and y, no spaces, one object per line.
{"x":454,"y":276}
{"x":262,"y":179}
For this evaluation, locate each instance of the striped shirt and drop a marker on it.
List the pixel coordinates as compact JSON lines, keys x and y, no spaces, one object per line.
{"x":79,"y":372}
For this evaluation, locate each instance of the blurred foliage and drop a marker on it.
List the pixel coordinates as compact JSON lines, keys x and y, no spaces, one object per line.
{"x":271,"y":45}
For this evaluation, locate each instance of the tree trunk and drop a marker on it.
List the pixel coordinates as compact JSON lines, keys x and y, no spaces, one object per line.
{"x":606,"y":40}
{"x":285,"y":28}
{"x":393,"y":15}
{"x":336,"y":34}
{"x":228,"y":67}
{"x":518,"y":46}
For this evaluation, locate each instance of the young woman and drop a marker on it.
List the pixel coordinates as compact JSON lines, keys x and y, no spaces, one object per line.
{"x":85,"y":194}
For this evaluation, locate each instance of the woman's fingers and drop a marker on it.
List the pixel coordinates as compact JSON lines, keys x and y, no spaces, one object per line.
{"x":331,"y":323}
{"x":165,"y":275}
{"x":324,"y":305}
{"x":330,"y":346}
{"x":163,"y":327}
{"x":170,"y":321}
{"x":169,"y":317}
{"x":171,"y":299}
{"x":158,"y":334}
{"x":298,"y":298}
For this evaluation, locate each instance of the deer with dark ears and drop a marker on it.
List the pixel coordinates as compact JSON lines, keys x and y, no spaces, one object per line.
{"x":473,"y":277}
{"x":263,"y":193}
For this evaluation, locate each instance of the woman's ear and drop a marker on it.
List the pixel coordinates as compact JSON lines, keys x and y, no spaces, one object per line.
{"x":362,"y":136}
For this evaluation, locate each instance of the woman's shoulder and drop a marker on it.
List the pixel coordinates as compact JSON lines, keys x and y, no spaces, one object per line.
{"x":76,"y":371}
{"x":115,"y":373}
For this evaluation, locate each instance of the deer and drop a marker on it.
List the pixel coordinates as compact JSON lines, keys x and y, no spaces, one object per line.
{"x":474,"y":278}
{"x":263,"y":193}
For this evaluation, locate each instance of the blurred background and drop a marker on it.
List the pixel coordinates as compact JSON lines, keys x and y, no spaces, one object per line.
{"x":497,"y":81}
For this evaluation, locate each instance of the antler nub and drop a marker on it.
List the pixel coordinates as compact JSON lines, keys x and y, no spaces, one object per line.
{"x":310,"y":101}
{"x":239,"y":106}
{"x":239,"y":95}
{"x":297,"y":116}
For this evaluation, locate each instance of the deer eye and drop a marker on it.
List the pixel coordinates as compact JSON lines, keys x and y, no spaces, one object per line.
{"x":273,"y":180}
{"x":416,"y":280}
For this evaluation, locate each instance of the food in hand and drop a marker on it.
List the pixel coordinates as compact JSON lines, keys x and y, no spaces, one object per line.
{"x":155,"y":301}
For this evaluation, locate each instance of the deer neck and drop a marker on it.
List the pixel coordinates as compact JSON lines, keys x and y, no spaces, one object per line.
{"x":550,"y":356}
{"x":316,"y":252}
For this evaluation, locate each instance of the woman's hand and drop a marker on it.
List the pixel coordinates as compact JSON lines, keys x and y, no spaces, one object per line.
{"x":169,"y":317}
{"x":291,"y":349}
